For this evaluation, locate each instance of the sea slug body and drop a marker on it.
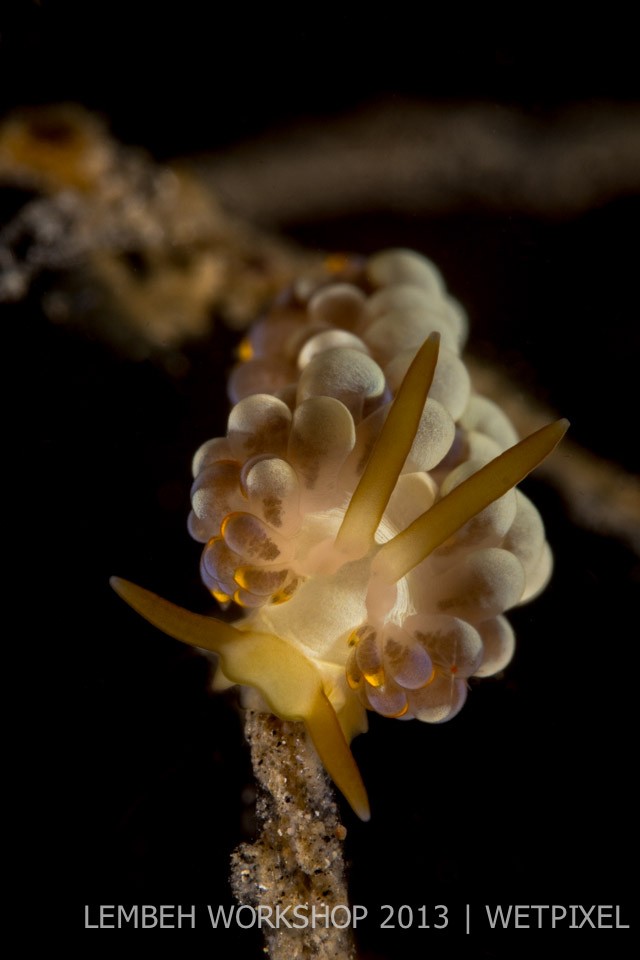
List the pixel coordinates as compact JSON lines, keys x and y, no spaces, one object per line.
{"x":362,"y":511}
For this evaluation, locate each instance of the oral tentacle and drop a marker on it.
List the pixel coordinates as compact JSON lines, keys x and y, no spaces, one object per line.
{"x":323,"y":726}
{"x":287,"y":680}
{"x":194,"y":629}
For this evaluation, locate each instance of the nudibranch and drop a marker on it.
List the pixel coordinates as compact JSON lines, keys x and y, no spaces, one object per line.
{"x":362,"y":512}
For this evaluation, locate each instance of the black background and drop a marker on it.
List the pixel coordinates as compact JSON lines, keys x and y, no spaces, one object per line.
{"x":132,"y":767}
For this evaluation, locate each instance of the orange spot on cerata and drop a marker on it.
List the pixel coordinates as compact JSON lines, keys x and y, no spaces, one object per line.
{"x":336,"y":262}
{"x":245,"y":350}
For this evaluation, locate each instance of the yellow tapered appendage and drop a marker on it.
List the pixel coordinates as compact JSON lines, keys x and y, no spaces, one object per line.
{"x":192,"y":628}
{"x":371,"y":496}
{"x":406,"y":550}
{"x":324,"y":729}
{"x":290,"y":684}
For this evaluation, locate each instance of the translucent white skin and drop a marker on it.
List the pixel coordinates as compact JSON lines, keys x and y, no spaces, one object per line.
{"x":269,"y":499}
